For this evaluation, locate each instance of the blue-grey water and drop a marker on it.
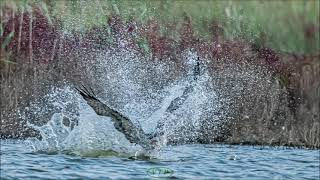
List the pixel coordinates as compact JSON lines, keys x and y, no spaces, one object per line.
{"x":18,"y":161}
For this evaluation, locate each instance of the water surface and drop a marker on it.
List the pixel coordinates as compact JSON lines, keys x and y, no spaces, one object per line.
{"x":187,"y":162}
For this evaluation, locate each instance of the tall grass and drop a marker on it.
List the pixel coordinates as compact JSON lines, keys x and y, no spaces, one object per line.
{"x":290,"y":26}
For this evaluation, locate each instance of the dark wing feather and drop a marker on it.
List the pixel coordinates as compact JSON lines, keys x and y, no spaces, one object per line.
{"x":99,"y":107}
{"x":133,"y":133}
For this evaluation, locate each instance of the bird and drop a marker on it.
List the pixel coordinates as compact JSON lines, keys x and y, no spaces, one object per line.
{"x":134,"y":132}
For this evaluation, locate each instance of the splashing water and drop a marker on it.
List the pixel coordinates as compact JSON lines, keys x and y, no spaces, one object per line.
{"x":92,"y":134}
{"x":140,"y":91}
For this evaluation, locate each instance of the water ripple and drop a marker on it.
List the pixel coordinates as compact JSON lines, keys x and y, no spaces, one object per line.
{"x":187,"y":162}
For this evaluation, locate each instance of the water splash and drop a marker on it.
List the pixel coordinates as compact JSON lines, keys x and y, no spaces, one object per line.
{"x":141,"y":91}
{"x":91,"y":134}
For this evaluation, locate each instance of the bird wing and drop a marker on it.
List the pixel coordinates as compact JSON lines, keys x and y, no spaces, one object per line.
{"x":132,"y":132}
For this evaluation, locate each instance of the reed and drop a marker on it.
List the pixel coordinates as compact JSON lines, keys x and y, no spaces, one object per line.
{"x":292,"y":26}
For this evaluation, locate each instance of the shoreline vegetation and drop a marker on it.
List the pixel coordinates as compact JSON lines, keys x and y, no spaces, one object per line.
{"x":268,"y":50}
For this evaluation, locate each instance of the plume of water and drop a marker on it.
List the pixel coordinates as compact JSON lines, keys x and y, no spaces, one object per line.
{"x":140,"y":90}
{"x":91,"y":134}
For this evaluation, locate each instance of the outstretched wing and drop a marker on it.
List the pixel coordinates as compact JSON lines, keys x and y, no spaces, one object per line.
{"x":179,"y":101}
{"x":133,"y":133}
{"x":99,"y":107}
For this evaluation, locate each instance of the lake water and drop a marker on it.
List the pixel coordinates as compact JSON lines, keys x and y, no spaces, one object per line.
{"x":19,"y":161}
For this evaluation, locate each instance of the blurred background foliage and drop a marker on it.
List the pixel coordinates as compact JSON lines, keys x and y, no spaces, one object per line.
{"x":288,"y":25}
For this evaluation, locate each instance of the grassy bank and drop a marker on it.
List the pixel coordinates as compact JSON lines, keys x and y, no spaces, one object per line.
{"x":289,"y":26}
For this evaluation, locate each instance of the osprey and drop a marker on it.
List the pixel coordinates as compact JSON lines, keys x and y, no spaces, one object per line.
{"x":134,"y":132}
